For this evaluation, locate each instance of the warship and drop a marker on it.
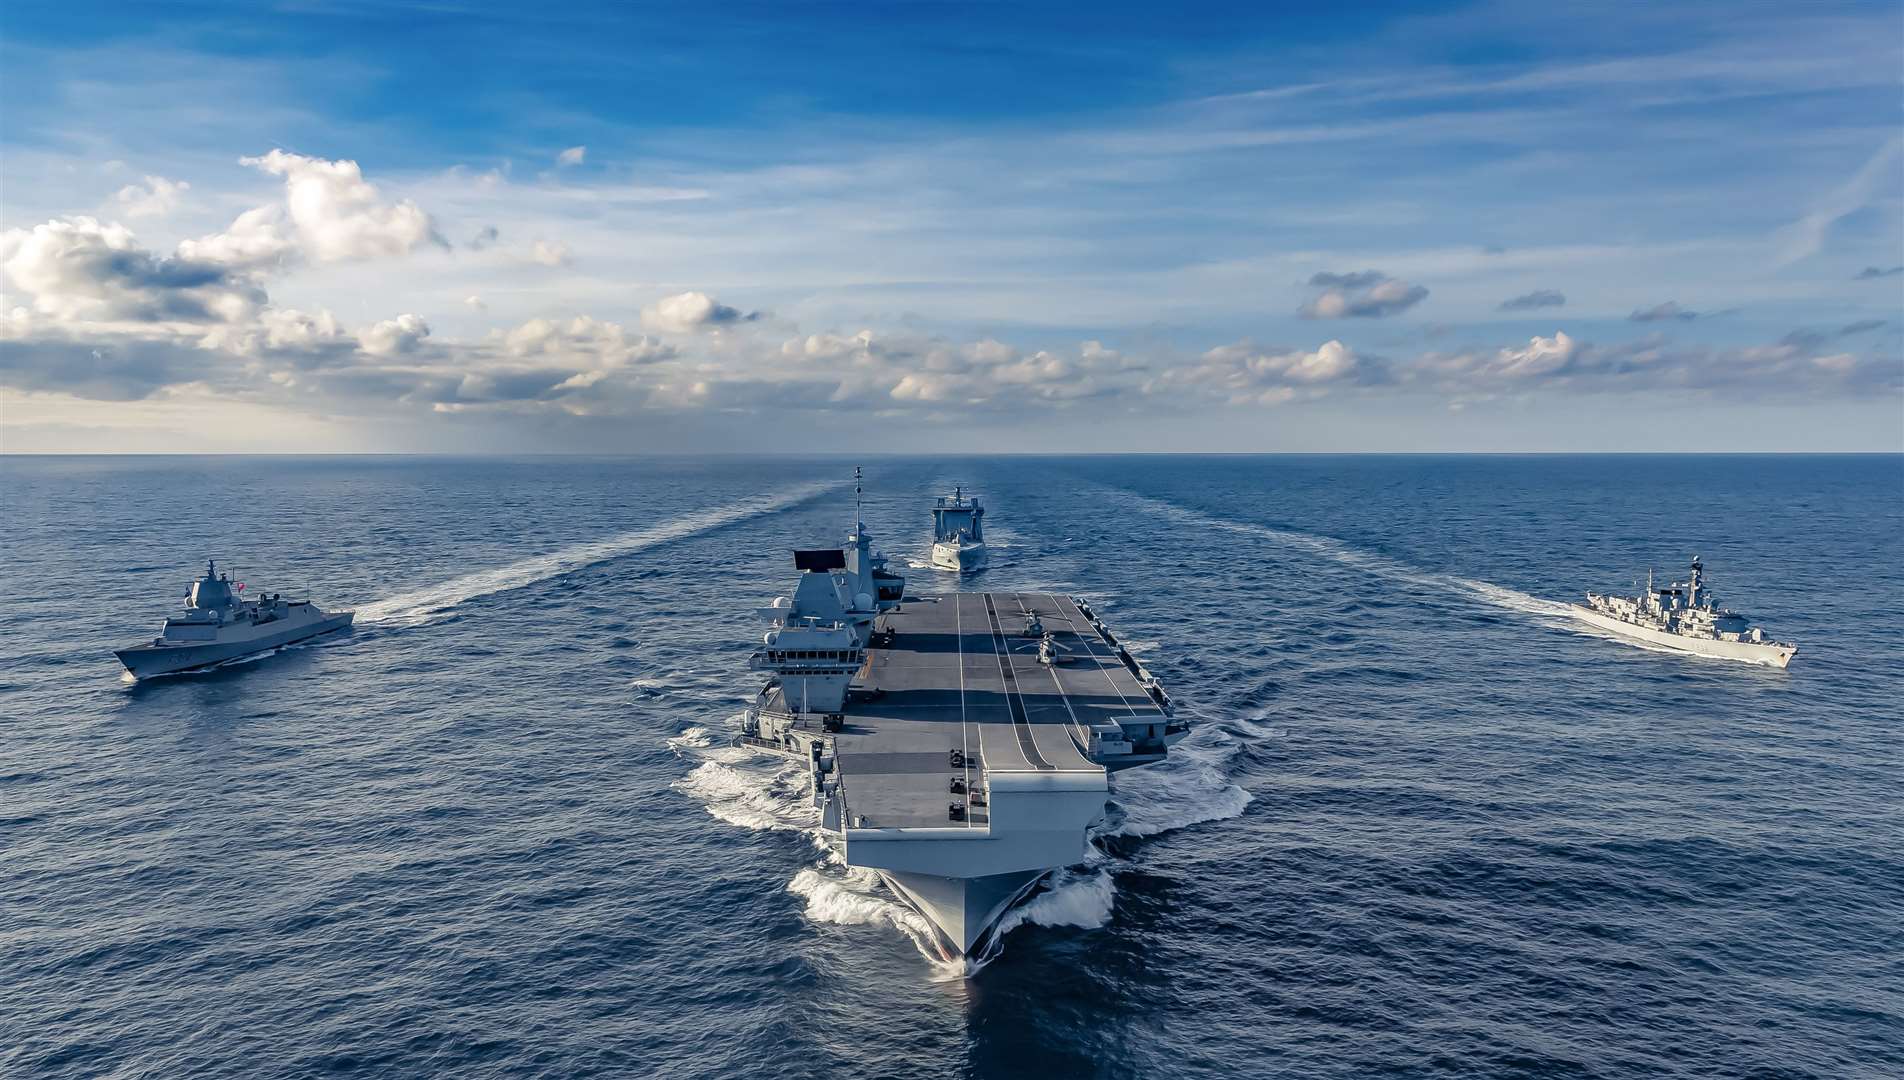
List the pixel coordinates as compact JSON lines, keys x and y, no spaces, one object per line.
{"x":958,"y":744}
{"x":217,"y":626}
{"x":1684,"y":616}
{"x":958,"y":533}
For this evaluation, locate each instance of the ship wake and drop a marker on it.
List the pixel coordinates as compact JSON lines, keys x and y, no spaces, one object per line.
{"x":741,"y":787}
{"x":1394,"y":569}
{"x":1190,"y":787}
{"x":429,"y":604}
{"x":763,"y":792}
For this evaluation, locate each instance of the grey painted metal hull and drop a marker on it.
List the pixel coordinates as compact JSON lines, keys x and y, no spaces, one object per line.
{"x":145,"y":661}
{"x":959,"y":558}
{"x":962,"y":767}
{"x":964,"y":911}
{"x":1771,"y":654}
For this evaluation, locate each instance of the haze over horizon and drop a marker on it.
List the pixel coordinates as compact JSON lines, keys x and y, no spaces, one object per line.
{"x":490,"y":228}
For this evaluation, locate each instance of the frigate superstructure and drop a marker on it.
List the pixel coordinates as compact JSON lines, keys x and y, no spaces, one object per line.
{"x":217,"y":626}
{"x":959,"y":744}
{"x":1687,"y":617}
{"x":958,"y":533}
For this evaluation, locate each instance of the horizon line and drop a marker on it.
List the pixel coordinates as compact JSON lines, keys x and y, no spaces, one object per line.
{"x":888,"y":455}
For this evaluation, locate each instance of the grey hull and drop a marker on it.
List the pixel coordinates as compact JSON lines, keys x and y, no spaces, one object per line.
{"x":1771,"y":654}
{"x":965,"y":911}
{"x":959,"y":558}
{"x":145,"y":661}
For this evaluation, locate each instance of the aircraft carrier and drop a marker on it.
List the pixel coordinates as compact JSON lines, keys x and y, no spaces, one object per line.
{"x":958,"y":744}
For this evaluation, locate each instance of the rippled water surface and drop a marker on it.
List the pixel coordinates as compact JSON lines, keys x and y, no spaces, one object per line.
{"x":1425,"y":826}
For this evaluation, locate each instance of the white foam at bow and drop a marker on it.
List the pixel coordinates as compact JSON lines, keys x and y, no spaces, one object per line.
{"x":423,"y":605}
{"x":848,"y":896}
{"x":849,"y":901}
{"x":1189,"y":787}
{"x":694,"y":738}
{"x":1073,"y":897}
{"x":750,"y":800}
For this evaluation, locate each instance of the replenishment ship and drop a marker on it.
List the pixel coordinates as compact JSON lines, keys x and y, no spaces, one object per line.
{"x":1687,"y":617}
{"x":958,"y":533}
{"x":957,"y":744}
{"x":217,"y":626}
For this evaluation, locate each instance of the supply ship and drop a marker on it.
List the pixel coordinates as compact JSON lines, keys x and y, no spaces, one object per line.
{"x":958,"y":533}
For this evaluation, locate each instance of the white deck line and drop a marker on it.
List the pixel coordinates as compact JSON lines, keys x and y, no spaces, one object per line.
{"x":1007,"y":681}
{"x":965,"y":753}
{"x":1092,"y":643}
{"x":1063,"y":698}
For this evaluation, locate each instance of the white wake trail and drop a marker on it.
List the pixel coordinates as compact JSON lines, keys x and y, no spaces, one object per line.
{"x":426,"y":604}
{"x":1486,"y":592}
{"x":1189,"y":787}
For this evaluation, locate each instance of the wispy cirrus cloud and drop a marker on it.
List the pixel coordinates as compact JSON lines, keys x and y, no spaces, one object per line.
{"x":1534,"y":301}
{"x":1670,"y":311}
{"x":1806,"y":236}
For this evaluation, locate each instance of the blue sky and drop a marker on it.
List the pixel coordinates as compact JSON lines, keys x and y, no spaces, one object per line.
{"x":462,"y":226}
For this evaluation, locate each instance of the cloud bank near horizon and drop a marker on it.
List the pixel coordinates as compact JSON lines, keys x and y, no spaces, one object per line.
{"x":1052,"y":276}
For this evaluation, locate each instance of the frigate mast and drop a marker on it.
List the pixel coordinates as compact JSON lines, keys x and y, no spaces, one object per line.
{"x":1684,"y":616}
{"x":218,"y":624}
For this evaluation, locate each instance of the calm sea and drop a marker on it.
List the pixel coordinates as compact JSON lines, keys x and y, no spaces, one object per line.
{"x":1425,"y":826}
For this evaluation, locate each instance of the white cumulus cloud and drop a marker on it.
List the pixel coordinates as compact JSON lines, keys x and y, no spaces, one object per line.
{"x":582,"y":340}
{"x":155,"y":196}
{"x":1246,"y":373}
{"x":329,"y":213}
{"x":393,"y":337}
{"x":685,"y":313}
{"x":78,"y":269}
{"x":549,"y":253}
{"x":1540,"y":356}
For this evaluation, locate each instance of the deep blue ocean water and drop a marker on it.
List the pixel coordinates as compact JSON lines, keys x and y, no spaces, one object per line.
{"x":1425,"y":827}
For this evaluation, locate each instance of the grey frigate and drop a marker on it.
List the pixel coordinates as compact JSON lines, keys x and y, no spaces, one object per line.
{"x":957,"y":744}
{"x":1687,"y":617}
{"x":958,"y":533}
{"x":217,"y":626}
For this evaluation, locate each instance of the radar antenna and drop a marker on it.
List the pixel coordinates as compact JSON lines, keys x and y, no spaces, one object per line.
{"x":859,"y":516}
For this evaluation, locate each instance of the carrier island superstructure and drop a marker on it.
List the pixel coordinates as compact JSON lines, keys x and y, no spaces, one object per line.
{"x":957,"y":744}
